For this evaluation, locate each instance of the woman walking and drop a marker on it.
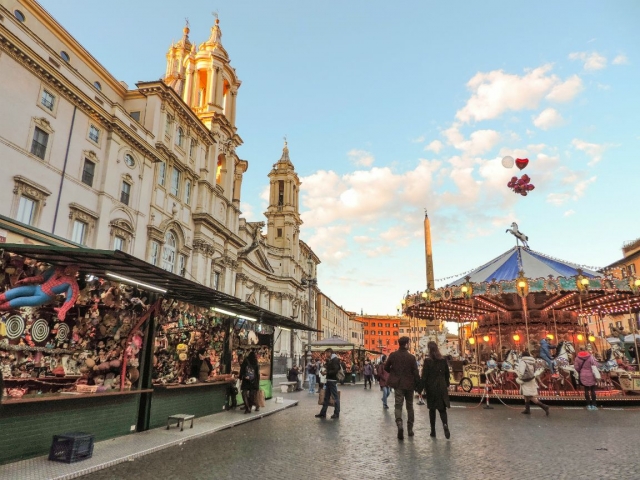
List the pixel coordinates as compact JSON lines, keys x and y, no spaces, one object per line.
{"x":526,"y":370}
{"x":435,"y":379}
{"x":383,"y":376}
{"x":250,"y":375}
{"x":583,"y":365}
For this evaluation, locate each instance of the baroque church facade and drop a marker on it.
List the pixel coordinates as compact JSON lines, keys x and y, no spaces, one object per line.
{"x":152,"y":171}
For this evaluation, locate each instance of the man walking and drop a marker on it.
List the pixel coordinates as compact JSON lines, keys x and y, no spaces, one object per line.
{"x":403,"y":375}
{"x":368,"y":373}
{"x":332,"y":367}
{"x":311,"y":376}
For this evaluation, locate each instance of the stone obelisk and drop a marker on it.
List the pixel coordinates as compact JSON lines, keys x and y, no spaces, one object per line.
{"x":428,"y":252}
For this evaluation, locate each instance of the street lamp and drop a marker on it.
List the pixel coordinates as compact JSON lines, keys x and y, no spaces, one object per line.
{"x":309,"y":282}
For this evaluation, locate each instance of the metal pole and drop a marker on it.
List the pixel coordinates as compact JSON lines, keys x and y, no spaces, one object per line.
{"x":634,"y":333}
{"x":526,"y":322}
{"x":555,"y":325}
{"x":499,"y":335}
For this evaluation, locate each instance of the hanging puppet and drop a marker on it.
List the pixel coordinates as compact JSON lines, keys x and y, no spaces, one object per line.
{"x":53,"y":282}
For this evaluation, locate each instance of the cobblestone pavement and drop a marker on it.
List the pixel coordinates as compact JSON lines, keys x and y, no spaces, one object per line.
{"x":492,"y":444}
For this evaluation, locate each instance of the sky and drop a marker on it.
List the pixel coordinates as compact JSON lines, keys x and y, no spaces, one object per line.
{"x":393,"y":108}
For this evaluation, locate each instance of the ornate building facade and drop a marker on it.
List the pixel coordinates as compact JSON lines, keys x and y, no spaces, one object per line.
{"x":152,"y":171}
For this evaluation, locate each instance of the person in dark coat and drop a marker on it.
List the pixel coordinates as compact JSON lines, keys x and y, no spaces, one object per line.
{"x":332,"y":368}
{"x":435,"y":379}
{"x":250,"y":375}
{"x":383,"y":376}
{"x":403,"y":376}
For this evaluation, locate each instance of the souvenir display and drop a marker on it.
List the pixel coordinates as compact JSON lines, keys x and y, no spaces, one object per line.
{"x":51,"y":343}
{"x":247,"y":336}
{"x":189,"y":345}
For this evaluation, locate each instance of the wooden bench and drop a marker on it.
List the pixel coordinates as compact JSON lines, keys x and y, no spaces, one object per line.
{"x":288,"y":386}
{"x":179,"y":418}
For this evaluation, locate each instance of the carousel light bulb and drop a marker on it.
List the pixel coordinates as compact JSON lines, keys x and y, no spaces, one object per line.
{"x":584,"y":281}
{"x":592,"y":338}
{"x":464,"y":289}
{"x":472,"y":341}
{"x":580,"y":337}
{"x":550,"y":336}
{"x":522,"y":284}
{"x":637,"y":282}
{"x":516,"y":337}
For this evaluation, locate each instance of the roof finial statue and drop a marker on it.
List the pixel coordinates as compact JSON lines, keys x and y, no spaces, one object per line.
{"x":518,"y":234}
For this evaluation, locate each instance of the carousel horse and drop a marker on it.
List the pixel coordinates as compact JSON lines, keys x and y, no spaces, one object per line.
{"x":565,"y":354}
{"x":518,"y":234}
{"x":510,"y":361}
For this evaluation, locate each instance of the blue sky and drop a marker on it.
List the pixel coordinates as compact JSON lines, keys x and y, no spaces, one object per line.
{"x":392,"y":108}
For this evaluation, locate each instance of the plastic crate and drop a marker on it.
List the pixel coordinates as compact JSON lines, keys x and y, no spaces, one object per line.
{"x":71,"y":447}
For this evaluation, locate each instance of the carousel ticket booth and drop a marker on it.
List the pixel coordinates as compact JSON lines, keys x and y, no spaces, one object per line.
{"x":103,"y":342}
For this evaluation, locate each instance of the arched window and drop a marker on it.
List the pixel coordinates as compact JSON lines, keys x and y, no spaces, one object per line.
{"x":169,"y":252}
{"x":180,"y":137}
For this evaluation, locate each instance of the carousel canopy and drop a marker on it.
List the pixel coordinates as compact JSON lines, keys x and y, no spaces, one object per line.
{"x":507,"y":266}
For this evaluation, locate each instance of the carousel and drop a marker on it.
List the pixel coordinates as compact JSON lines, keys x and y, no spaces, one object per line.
{"x":526,"y":300}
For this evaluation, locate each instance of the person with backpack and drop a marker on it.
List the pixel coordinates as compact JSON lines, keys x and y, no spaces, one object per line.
{"x":311,"y":376}
{"x":526,"y":371}
{"x":335,"y":373}
{"x":250,"y":375}
{"x":584,"y":366}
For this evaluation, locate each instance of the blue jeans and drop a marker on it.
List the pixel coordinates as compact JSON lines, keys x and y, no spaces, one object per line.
{"x":385,"y":394}
{"x":331,"y":391}
{"x":312,"y":382}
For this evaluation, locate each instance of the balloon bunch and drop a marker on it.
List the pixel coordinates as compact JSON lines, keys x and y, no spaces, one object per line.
{"x":521,"y":185}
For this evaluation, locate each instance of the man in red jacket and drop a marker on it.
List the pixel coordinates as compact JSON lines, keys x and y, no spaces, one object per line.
{"x":403,"y":375}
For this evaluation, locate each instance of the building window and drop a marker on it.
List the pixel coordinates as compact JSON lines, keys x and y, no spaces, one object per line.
{"x":79,"y":232}
{"x":94,"y":133}
{"x":386,"y":325}
{"x":135,"y":116}
{"x":129,"y":161}
{"x":167,"y":126}
{"x":97,"y":85}
{"x":180,"y":137}
{"x":182,"y":263}
{"x":87,"y":172}
{"x":169,"y":252}
{"x":187,"y":192}
{"x":39,"y":143}
{"x":279,"y":233}
{"x":155,"y":249}
{"x":26,"y":210}
{"x":47,"y":100}
{"x":162,"y":173}
{"x":118,"y":243}
{"x":19,"y":15}
{"x":632,"y":269}
{"x":216,"y":280}
{"x":192,"y":149}
{"x":125,"y":192}
{"x":65,"y":56}
{"x":175,"y":181}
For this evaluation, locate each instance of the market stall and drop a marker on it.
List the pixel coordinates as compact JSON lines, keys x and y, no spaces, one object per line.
{"x":110,"y":344}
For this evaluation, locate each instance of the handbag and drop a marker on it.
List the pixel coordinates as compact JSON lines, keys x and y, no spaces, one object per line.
{"x":596,"y":372}
{"x":260,"y":400}
{"x":332,"y":403}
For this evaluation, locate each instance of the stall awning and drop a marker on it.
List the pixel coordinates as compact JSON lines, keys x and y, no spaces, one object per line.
{"x":101,"y":263}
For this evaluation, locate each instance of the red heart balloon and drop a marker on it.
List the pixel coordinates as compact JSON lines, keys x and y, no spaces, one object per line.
{"x":521,"y":163}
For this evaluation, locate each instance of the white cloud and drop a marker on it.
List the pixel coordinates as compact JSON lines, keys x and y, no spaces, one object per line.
{"x":434,"y":146}
{"x":568,"y":213}
{"x":591,"y":61}
{"x":567,"y":90}
{"x":419,"y":139}
{"x":360,"y":157}
{"x":496,"y":92}
{"x":620,"y":60}
{"x":330,"y":243}
{"x":593,"y":150}
{"x":248,"y":212}
{"x":558,"y":199}
{"x":581,"y":187}
{"x":479,"y":142}
{"x":548,"y":118}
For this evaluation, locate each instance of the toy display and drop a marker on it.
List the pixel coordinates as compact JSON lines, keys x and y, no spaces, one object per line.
{"x":247,"y":336}
{"x":189,"y":345}
{"x":49,"y":345}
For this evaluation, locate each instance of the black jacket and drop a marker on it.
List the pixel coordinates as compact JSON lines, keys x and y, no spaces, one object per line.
{"x":333,"y":367}
{"x":435,"y":380}
{"x":403,"y":370}
{"x":247,"y":384}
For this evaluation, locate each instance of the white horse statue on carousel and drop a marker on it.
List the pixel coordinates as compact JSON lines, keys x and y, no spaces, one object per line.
{"x":518,"y":234}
